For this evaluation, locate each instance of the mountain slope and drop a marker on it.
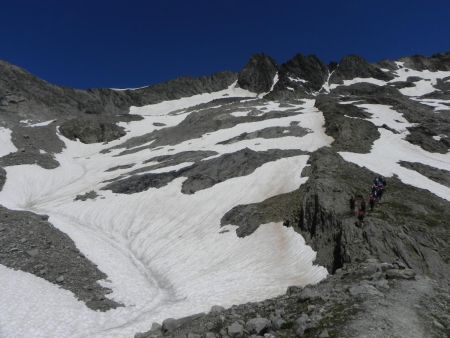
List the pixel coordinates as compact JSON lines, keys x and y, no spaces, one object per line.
{"x":193,"y":193}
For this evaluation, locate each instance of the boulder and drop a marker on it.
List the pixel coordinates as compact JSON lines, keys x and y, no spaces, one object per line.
{"x":258,"y":325}
{"x":235,"y":330}
{"x":169,"y":325}
{"x":91,"y":130}
{"x":400,"y":274}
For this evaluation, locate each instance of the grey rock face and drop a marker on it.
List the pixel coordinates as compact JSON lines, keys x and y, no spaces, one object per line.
{"x":354,"y":66}
{"x":91,"y":130}
{"x":2,"y":178}
{"x":257,"y":76}
{"x":350,"y":134}
{"x":302,"y":73}
{"x":434,"y":63}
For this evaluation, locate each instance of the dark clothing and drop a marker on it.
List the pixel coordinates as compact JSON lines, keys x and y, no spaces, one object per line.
{"x":352,"y":204}
{"x":363,"y":206}
{"x":379,"y":194}
{"x":361,"y":215}
{"x":371,"y":202}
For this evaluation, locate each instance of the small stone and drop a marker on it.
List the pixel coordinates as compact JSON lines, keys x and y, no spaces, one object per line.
{"x":324,"y":334}
{"x":209,"y":326}
{"x":301,"y":324}
{"x":169,"y":325}
{"x":60,"y":279}
{"x":311,"y":307}
{"x":400,"y":274}
{"x":277,"y":323}
{"x":399,"y":265}
{"x":33,"y":252}
{"x":309,"y":294}
{"x":279,"y":312}
{"x":292,"y":290}
{"x":216,"y":309}
{"x":156,"y":327}
{"x":235,"y":330}
{"x":364,"y":289}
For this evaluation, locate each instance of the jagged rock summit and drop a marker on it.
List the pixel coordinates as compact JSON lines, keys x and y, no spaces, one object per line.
{"x":258,"y":75}
{"x":219,"y":206}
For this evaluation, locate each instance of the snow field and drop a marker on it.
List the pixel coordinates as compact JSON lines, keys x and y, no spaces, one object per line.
{"x":164,"y":252}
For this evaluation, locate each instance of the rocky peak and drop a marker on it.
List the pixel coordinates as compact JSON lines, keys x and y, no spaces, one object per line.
{"x":257,"y":76}
{"x":434,"y":63}
{"x":355,"y":66}
{"x":309,"y":71}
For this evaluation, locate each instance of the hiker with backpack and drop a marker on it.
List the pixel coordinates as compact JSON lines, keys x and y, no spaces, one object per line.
{"x":362,"y":212}
{"x":372,"y":200}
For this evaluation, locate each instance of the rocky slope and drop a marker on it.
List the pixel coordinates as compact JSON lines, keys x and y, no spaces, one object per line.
{"x":256,"y":157}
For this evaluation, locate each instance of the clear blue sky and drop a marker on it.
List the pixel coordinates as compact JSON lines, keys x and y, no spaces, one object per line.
{"x":132,"y":43}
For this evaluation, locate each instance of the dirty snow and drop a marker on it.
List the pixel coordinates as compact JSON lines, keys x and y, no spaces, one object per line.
{"x":163,"y":251}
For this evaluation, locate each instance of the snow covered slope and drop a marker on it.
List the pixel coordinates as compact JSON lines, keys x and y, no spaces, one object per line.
{"x":164,"y":251}
{"x":184,"y":207}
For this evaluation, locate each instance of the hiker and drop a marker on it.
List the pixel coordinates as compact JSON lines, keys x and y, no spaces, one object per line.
{"x":362,"y":212}
{"x":372,"y":199}
{"x":357,"y":205}
{"x":352,"y":204}
{"x":380,"y":187}
{"x":374,"y":192}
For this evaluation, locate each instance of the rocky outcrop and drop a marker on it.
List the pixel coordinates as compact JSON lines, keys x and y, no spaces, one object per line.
{"x":203,"y":174}
{"x":28,"y":242}
{"x":434,"y":63}
{"x":346,"y":124}
{"x":354,"y":66}
{"x":257,"y":76}
{"x":299,"y":77}
{"x":89,"y":130}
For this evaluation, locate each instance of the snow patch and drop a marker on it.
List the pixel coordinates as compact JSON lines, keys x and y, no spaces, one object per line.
{"x":6,"y":144}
